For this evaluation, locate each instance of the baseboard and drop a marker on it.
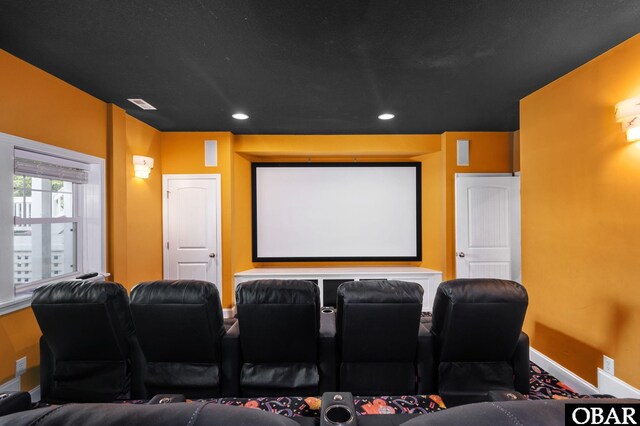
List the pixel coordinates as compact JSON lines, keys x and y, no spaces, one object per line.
{"x":229,"y":312}
{"x":611,"y":385}
{"x":12,"y":385}
{"x":563,"y":374}
{"x":35,"y":394}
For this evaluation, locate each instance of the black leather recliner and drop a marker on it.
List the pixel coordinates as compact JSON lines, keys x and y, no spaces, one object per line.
{"x":279,"y":323}
{"x":89,"y":351}
{"x":479,"y":344}
{"x":377,"y":335}
{"x":181,"y":413}
{"x":180,"y":329}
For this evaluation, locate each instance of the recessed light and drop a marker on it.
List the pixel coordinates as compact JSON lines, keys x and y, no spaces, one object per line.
{"x":386,"y":116}
{"x":240,"y":116}
{"x":142,"y":104}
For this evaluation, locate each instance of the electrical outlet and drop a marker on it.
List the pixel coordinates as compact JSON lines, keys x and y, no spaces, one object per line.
{"x":21,"y":366}
{"x":608,"y":365}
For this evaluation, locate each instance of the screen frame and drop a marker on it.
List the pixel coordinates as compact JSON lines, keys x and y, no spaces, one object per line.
{"x":254,"y":219}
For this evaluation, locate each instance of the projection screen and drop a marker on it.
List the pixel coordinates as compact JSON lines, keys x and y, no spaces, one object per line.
{"x":336,"y":211}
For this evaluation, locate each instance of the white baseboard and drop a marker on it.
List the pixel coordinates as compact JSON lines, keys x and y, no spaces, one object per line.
{"x":12,"y":385}
{"x":611,"y":385}
{"x":35,"y":394}
{"x":229,"y":312}
{"x":563,"y":374}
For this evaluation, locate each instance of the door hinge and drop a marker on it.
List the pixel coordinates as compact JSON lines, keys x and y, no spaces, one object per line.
{"x":167,"y":245}
{"x":168,"y":194}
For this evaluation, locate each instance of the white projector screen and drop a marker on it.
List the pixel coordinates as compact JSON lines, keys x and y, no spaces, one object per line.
{"x":336,"y":211}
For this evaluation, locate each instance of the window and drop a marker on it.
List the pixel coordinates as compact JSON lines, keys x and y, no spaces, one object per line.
{"x":45,"y":226}
{"x":55,"y":229}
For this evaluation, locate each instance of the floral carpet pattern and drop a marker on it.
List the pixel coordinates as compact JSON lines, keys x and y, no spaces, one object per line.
{"x":542,"y":386}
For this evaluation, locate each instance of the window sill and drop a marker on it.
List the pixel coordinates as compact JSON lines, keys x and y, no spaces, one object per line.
{"x":20,"y":302}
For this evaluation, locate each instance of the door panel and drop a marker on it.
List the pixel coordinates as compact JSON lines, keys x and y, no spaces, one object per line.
{"x":488,"y":227}
{"x":192,"y":271}
{"x":191,"y":228}
{"x":490,"y":270}
{"x":488,"y":217}
{"x":189,"y":206}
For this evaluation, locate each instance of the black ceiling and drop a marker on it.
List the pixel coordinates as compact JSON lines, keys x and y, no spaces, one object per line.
{"x":315,"y":66}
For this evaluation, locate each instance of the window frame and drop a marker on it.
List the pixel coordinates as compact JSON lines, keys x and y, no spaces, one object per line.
{"x":91,"y":237}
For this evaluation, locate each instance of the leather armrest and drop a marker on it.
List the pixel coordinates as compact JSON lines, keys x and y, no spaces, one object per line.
{"x":14,"y":402}
{"x":231,"y":361}
{"x":138,"y":370}
{"x":521,"y":365}
{"x":47,"y":366}
{"x":327,"y":352}
{"x":425,"y":365}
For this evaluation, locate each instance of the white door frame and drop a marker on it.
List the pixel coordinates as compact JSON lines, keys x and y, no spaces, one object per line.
{"x":516,"y":246}
{"x":165,"y":225}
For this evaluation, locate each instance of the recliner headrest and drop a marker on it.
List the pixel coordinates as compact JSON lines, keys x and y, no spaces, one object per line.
{"x":110,"y":294}
{"x":380,"y":291}
{"x":178,"y":291}
{"x":482,"y":290}
{"x":467,"y":313}
{"x":278,"y":292}
{"x":78,"y":292}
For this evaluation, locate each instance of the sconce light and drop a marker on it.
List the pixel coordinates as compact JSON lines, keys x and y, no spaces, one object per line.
{"x":142,"y":166}
{"x":628,"y":113}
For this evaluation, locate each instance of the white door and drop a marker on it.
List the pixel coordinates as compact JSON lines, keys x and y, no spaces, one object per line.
{"x":191,"y":234}
{"x":488,"y":227}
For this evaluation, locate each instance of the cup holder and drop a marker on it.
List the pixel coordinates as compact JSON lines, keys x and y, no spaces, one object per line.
{"x":328,"y":310}
{"x":338,"y":415}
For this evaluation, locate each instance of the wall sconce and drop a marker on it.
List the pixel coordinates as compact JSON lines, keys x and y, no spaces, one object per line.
{"x":628,"y":113}
{"x":142,"y":166}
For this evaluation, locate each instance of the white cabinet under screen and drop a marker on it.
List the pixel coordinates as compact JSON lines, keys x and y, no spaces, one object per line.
{"x":329,"y":278}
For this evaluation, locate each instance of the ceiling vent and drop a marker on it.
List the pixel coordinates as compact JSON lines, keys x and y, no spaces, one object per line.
{"x":142,"y":104}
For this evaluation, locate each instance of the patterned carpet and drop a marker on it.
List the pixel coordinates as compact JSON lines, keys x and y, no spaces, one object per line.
{"x":542,"y":386}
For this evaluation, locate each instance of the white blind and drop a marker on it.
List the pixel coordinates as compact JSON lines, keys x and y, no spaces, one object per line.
{"x":48,"y":167}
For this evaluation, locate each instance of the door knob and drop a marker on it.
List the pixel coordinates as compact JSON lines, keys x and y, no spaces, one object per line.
{"x":212,"y":255}
{"x":461,"y":254}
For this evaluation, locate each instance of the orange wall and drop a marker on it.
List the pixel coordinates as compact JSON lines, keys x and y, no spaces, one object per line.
{"x":580,"y":208}
{"x":134,"y":205}
{"x":117,"y":194}
{"x":341,"y":146}
{"x":242,"y":212}
{"x":19,"y":336}
{"x":38,"y":106}
{"x":489,"y":152}
{"x":433,"y":213}
{"x":144,"y":205}
{"x":516,"y":151}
